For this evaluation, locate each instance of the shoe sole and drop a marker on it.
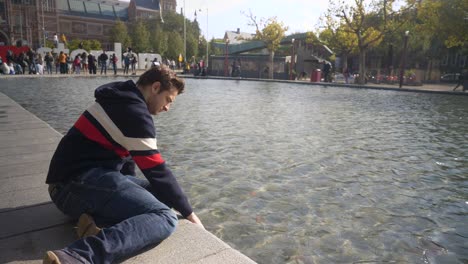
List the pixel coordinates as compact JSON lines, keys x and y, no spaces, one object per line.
{"x":50,"y":258}
{"x":86,"y":226}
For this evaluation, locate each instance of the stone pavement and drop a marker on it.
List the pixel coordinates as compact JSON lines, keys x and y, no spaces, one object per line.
{"x":31,"y":224}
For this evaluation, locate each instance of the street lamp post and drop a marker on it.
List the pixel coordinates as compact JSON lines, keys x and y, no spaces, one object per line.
{"x":185,"y":37}
{"x":226,"y":62}
{"x":292,"y":60}
{"x":206,"y":58}
{"x":403,"y":59}
{"x":43,"y":26}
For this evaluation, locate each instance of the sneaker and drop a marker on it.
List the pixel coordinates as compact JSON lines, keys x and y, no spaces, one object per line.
{"x":86,"y":226}
{"x":62,"y":257}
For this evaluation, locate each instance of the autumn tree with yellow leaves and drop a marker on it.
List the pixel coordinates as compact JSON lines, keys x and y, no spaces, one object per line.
{"x":355,"y":21}
{"x":271,"y":32}
{"x":338,"y":36}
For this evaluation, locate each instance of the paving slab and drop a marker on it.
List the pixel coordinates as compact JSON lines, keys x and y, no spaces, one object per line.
{"x":14,"y":170}
{"x":31,"y":224}
{"x":13,"y":141}
{"x":44,"y":156}
{"x":189,"y":244}
{"x":30,"y":218}
{"x":29,"y":197}
{"x":22,"y":183}
{"x":39,"y":148}
{"x":29,"y":247}
{"x":24,"y":125}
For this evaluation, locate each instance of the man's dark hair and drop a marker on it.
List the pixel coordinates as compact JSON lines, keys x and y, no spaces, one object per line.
{"x":165,"y":76}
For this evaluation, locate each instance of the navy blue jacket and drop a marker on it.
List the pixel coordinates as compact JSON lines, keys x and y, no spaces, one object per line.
{"x":115,"y":130}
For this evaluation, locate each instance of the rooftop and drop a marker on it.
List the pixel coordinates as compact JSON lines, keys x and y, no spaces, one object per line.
{"x":107,"y":9}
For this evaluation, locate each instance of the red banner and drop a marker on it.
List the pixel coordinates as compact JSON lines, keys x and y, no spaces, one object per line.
{"x":14,"y":49}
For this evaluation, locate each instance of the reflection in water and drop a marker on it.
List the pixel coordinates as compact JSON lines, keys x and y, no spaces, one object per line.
{"x":296,"y":174}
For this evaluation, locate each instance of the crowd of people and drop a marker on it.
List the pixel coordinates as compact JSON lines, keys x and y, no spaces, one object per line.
{"x":62,"y":63}
{"x":31,"y":62}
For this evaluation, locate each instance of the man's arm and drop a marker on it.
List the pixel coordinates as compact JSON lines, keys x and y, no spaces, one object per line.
{"x":164,"y":184}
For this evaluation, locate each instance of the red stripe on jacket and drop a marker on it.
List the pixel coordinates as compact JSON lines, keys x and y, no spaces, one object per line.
{"x":146,"y":162}
{"x":92,"y":133}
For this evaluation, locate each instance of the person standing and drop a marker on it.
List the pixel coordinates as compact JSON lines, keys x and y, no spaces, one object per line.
{"x":49,"y":59}
{"x":77,"y":64}
{"x":155,"y":63}
{"x":133,"y":61}
{"x":84,"y":62}
{"x":103,"y":61}
{"x":346,"y":74}
{"x":39,"y":64}
{"x":56,"y":40}
{"x":128,"y":60}
{"x":91,"y":64}
{"x":57,"y":64}
{"x":326,"y":71}
{"x":92,"y":173}
{"x":31,"y":58}
{"x":63,"y":62}
{"x":114,"y":60}
{"x":64,"y":39}
{"x":126,"y":64}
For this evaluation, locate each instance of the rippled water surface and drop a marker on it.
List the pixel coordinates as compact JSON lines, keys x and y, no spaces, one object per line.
{"x":289,"y":173}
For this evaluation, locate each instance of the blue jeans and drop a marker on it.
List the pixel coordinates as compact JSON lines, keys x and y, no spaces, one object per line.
{"x":104,"y":67}
{"x":133,"y":219}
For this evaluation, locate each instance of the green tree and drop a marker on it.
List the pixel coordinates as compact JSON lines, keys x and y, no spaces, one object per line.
{"x":175,"y":45}
{"x":150,"y":35}
{"x":73,"y":44}
{"x":215,"y":50}
{"x":368,"y":34}
{"x":271,"y":32}
{"x":140,"y":37}
{"x":338,"y":37}
{"x":50,"y":44}
{"x":192,"y":46}
{"x":202,"y":47}
{"x":437,"y":28}
{"x":89,"y":44}
{"x":369,"y":22}
{"x":119,"y":33}
{"x":443,"y":19}
{"x":173,"y":22}
{"x":158,"y":40}
{"x":92,"y":44}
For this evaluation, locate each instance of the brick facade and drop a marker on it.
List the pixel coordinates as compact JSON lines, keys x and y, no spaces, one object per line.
{"x":29,"y":22}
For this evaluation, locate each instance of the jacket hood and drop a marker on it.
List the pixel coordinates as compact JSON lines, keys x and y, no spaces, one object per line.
{"x":118,"y":92}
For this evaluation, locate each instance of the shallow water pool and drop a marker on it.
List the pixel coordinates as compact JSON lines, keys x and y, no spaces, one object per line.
{"x":290,"y":173}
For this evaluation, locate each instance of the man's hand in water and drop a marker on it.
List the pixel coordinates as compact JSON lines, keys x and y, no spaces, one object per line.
{"x":194,"y":219}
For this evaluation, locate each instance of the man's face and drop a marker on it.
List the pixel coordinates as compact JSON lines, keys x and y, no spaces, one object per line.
{"x":161,"y":102}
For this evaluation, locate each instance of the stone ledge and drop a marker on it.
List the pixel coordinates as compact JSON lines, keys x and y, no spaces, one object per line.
{"x":31,"y":224}
{"x":188,"y":244}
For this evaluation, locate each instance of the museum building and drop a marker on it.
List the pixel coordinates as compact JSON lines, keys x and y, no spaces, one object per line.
{"x":31,"y":22}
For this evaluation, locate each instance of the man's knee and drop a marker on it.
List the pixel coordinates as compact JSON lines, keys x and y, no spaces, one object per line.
{"x":167,"y":223}
{"x":171,"y":218}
